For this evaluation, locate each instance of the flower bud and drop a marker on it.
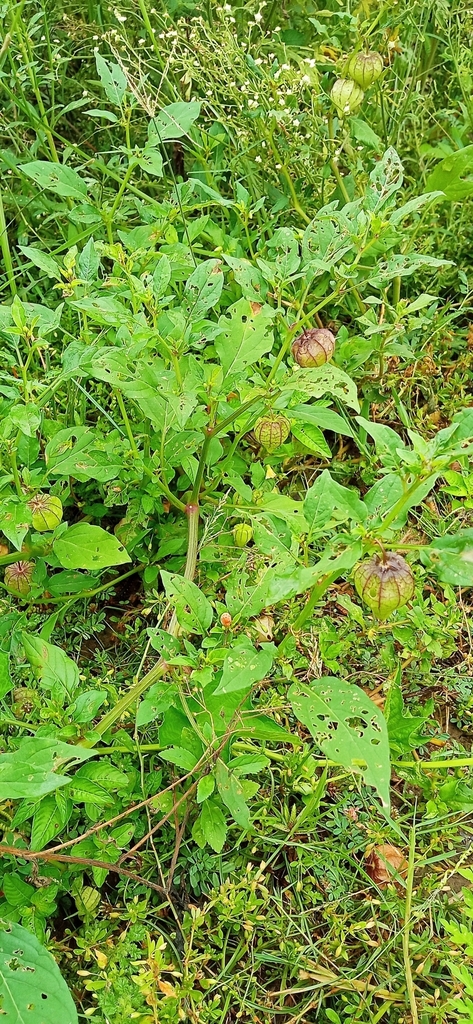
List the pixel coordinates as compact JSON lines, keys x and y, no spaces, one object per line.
{"x":242,"y":534}
{"x":364,"y":68}
{"x":346,"y":95}
{"x":272,"y":431}
{"x":46,"y":512}
{"x":226,"y":620}
{"x":314,"y":347}
{"x":18,"y":577}
{"x":385,"y":583}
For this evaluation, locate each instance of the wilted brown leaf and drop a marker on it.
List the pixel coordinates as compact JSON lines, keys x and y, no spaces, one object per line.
{"x":385,"y":864}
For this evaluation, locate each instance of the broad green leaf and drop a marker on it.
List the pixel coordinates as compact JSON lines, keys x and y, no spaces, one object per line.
{"x":88,"y":262}
{"x":173,"y":121}
{"x":6,"y":681}
{"x":79,"y":452}
{"x":318,"y":381}
{"x":328,"y":503}
{"x":31,"y":770}
{"x":42,"y":260}
{"x":321,"y":417}
{"x":405,"y":731}
{"x":203,"y":288}
{"x":49,"y":819}
{"x":205,"y":788}
{"x":181,"y":757}
{"x":245,"y":334}
{"x":348,"y":727}
{"x":453,"y":175}
{"x":26,"y":418}
{"x":85,"y":708}
{"x":55,"y":670}
{"x":17,"y":892}
{"x":83,"y":546}
{"x":243,"y":666}
{"x":231,"y":793}
{"x":385,"y":179}
{"x":58,"y":178}
{"x":32,"y":989}
{"x":160,"y":697}
{"x":312,"y":438}
{"x":187,"y":595}
{"x":15,"y":521}
{"x":213,"y":825}
{"x":113,"y":79}
{"x":450,"y":558}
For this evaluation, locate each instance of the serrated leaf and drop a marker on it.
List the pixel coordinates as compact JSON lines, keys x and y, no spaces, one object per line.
{"x":32,"y":990}
{"x":203,"y":288}
{"x":245,"y":335}
{"x":83,"y":546}
{"x":323,"y":380}
{"x":181,"y":757}
{"x":348,"y":727}
{"x":205,"y":788}
{"x":113,"y":79}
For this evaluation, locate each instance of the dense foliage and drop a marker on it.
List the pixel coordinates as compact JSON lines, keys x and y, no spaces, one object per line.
{"x":236,"y":539}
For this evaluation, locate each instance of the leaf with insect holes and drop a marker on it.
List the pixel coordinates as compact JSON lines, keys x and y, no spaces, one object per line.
{"x":231,"y":792}
{"x":245,"y":334}
{"x":58,"y":178}
{"x":347,"y":726}
{"x":328,"y":503}
{"x":32,"y":989}
{"x":30,"y":771}
{"x":193,"y":610}
{"x":244,"y":665}
{"x":450,"y":558}
{"x":113,"y":79}
{"x":173,"y":121}
{"x":203,"y":288}
{"x":317,"y":381}
{"x":83,"y":546}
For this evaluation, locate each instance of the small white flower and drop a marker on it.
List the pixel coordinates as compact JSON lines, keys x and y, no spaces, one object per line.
{"x":257,"y":159}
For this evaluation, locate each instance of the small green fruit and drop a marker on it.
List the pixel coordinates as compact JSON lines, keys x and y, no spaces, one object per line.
{"x":364,"y":68}
{"x":346,"y":95}
{"x":385,"y":583}
{"x":314,"y":347}
{"x":18,"y":577}
{"x":272,"y":431}
{"x":242,"y":534}
{"x":46,"y":512}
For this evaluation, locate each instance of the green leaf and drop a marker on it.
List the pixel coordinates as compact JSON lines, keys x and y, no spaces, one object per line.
{"x":203,"y":288}
{"x":244,"y":336}
{"x":31,"y":770}
{"x":55,"y":670}
{"x":181,"y":757}
{"x":363,"y":133}
{"x":205,"y":788}
{"x":318,"y":381}
{"x":174,"y":121}
{"x":312,"y":438}
{"x":88,"y":263}
{"x":58,"y":178}
{"x":186,"y":594}
{"x":405,"y":730}
{"x":348,"y":727}
{"x":89,"y":547}
{"x":231,"y":793}
{"x":450,"y":558}
{"x":321,"y":417}
{"x":16,"y":521}
{"x":328,"y":503}
{"x":85,"y":708}
{"x":32,"y":990}
{"x":49,"y":820}
{"x":159,"y":698}
{"x":213,"y":825}
{"x":243,"y":666}
{"x":6,"y":682}
{"x":17,"y":892}
{"x":453,"y":175}
{"x":42,"y":260}
{"x":113,"y":79}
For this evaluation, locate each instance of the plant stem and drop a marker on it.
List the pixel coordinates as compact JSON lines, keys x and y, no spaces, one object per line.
{"x":126,"y":421}
{"x":6,"y":253}
{"x":290,"y":184}
{"x":126,"y":178}
{"x":141,"y":685}
{"x":316,"y":593}
{"x":407,"y":929}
